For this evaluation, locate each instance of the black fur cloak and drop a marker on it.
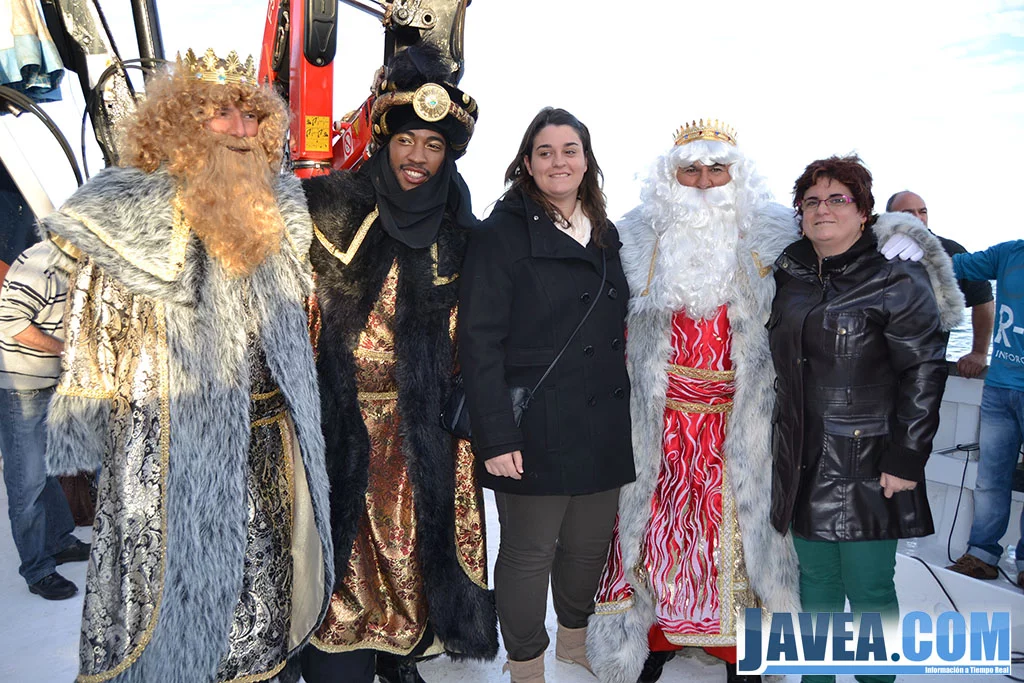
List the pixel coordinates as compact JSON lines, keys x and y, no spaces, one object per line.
{"x":461,"y":612}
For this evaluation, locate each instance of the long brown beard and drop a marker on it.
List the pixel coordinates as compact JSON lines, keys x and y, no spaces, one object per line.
{"x":229,"y":202}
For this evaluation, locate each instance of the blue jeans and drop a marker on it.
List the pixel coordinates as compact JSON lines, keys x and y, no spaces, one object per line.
{"x":41,"y":521}
{"x":1002,"y":427}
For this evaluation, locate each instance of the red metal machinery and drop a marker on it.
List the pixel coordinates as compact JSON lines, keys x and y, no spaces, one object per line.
{"x":299,"y":44}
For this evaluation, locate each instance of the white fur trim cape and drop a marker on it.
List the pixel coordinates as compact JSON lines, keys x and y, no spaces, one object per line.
{"x":617,"y":643}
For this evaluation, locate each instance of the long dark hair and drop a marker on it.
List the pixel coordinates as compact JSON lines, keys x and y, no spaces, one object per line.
{"x":517,"y":178}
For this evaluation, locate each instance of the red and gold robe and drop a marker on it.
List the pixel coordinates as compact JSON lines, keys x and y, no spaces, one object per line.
{"x":691,"y":554}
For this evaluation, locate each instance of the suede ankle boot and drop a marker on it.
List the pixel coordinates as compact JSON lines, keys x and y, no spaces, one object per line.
{"x":571,"y":646}
{"x":530,"y":671}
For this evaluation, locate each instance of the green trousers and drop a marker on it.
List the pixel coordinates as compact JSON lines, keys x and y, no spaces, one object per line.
{"x":863,"y":571}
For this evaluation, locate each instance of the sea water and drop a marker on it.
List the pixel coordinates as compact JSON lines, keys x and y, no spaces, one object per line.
{"x":961,"y":338}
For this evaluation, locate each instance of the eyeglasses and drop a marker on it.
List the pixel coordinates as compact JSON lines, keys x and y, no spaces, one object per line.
{"x":833,"y":201}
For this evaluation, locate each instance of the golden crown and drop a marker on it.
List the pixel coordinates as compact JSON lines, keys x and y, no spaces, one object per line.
{"x":213,"y":69}
{"x":698,"y":130}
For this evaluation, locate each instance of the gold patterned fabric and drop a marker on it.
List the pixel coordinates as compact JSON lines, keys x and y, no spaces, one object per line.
{"x":382,"y":603}
{"x":130,"y":529}
{"x":258,"y":642}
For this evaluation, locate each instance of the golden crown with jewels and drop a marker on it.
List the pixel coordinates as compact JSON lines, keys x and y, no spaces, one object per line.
{"x":213,"y":69}
{"x":698,"y":130}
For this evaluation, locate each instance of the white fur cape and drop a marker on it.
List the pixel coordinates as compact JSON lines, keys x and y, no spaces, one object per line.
{"x":617,"y":643}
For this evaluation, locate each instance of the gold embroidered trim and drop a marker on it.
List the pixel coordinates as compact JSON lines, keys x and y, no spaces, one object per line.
{"x":614,"y":607}
{"x":762,"y":270}
{"x":357,"y":241}
{"x":701,"y":640}
{"x":366,"y":643}
{"x":685,"y":407}
{"x":377,"y":396}
{"x":266,"y":675}
{"x":264,"y":396}
{"x":650,"y":271}
{"x":269,"y":420}
{"x":165,"y":457}
{"x":440,"y":280}
{"x":176,"y":252}
{"x":702,"y":373}
{"x":374,"y":354}
{"x":70,"y":250}
{"x":84,"y":393}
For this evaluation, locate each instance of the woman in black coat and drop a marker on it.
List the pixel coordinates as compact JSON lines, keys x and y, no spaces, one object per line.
{"x":530,"y":275}
{"x":858,"y":345}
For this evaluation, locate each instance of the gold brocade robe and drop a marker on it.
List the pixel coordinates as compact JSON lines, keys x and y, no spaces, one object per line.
{"x":381,"y":603}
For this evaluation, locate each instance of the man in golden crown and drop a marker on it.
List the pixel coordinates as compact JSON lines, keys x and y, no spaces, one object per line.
{"x":694,"y":544}
{"x":189,"y":380}
{"x":406,"y":510}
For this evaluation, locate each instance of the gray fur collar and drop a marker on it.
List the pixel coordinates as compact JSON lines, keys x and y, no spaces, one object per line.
{"x":124,"y":220}
{"x":128,"y":230}
{"x":936,"y":261}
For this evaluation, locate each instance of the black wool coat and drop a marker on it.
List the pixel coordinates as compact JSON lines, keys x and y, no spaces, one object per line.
{"x":460,"y":612}
{"x":525,"y":287}
{"x":860,"y":358}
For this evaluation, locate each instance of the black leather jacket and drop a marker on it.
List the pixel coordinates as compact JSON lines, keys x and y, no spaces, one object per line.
{"x":860,"y":359}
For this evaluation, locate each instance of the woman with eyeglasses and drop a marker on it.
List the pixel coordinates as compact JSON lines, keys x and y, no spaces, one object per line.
{"x":546,"y":259}
{"x":858,"y":344}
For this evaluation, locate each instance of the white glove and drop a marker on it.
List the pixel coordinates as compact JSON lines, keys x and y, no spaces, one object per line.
{"x":901,"y":245}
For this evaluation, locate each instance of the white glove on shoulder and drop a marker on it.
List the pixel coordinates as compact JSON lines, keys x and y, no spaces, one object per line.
{"x":901,"y":245}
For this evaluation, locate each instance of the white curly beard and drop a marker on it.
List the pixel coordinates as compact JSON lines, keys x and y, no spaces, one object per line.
{"x":697,"y":236}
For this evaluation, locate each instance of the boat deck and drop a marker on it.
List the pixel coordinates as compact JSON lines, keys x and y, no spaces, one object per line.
{"x":39,"y":638}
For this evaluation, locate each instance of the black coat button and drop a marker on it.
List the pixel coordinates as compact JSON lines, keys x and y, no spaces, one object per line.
{"x":616,"y":344}
{"x":592,"y":401}
{"x":619,"y":392}
{"x":588,"y":350}
{"x":613,"y":293}
{"x":585,"y":297}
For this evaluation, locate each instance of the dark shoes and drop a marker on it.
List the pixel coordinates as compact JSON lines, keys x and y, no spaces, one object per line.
{"x":656,"y":661}
{"x":732,"y":677}
{"x":53,"y":587}
{"x":969,"y":565}
{"x":76,"y":552}
{"x":392,"y":669}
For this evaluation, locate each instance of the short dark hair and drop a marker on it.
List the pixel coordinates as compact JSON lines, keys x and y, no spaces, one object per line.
{"x":848,"y":170}
{"x":590,"y":194}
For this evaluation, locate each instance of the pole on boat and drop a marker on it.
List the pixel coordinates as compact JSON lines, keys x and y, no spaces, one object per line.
{"x":147,"y":30}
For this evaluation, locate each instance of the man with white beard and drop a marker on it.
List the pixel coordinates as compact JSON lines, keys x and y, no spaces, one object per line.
{"x":694,"y":545}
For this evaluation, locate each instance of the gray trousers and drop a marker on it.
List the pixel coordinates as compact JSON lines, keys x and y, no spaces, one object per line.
{"x":561,"y":538}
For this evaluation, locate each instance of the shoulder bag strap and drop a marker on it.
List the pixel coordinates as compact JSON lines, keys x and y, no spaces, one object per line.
{"x":600,"y":291}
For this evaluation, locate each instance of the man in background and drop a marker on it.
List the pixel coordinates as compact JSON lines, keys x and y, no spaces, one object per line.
{"x":1002,"y":411}
{"x":31,"y":342}
{"x":977,"y":293}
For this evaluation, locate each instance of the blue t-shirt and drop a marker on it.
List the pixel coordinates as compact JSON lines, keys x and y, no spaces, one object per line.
{"x":1003,"y":263}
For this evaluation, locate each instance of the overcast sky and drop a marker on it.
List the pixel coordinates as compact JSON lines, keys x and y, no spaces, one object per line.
{"x":928,"y":93}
